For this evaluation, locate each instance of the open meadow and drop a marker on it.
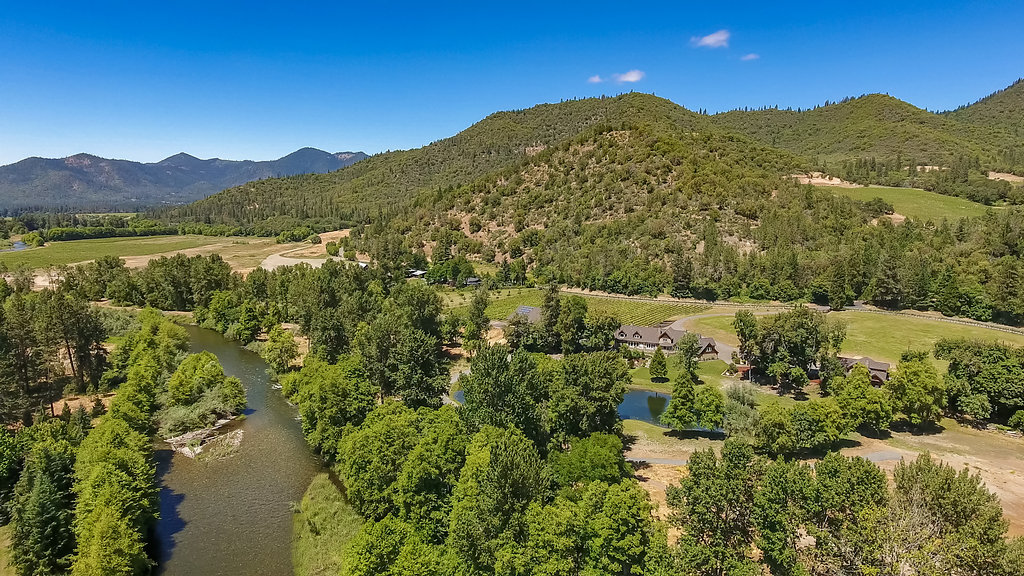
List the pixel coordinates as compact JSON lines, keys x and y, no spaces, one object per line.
{"x":243,"y":254}
{"x":916,"y":203}
{"x":881,"y":336}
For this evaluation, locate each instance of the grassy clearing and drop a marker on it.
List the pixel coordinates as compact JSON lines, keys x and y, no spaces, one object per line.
{"x":644,"y":313}
{"x":916,"y":203}
{"x":709,"y":372}
{"x":880,"y":336}
{"x":322,"y":529}
{"x":5,"y":551}
{"x":59,"y":253}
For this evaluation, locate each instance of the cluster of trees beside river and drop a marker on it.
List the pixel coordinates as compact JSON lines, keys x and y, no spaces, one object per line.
{"x":80,"y":493}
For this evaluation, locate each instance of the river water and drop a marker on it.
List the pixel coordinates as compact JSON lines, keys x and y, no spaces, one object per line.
{"x":234,"y":516}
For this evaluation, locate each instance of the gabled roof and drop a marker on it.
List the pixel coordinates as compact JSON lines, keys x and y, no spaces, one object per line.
{"x":532,"y":313}
{"x":877,"y":369}
{"x":652,"y":335}
{"x":704,"y":341}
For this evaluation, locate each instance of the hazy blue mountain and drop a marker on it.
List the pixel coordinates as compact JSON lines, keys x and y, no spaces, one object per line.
{"x":87,"y":182}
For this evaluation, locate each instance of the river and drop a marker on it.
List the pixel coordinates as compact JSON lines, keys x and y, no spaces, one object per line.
{"x":234,"y":516}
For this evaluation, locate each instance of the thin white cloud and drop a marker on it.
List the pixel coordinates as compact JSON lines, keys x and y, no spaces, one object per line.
{"x":718,"y":39}
{"x":749,"y":57}
{"x":631,"y":76}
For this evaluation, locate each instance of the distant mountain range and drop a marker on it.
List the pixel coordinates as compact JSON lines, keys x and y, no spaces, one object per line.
{"x":87,"y":182}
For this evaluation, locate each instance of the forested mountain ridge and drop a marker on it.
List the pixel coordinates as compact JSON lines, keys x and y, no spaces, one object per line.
{"x":387,"y":180}
{"x":1001,"y":116}
{"x":874,"y":125}
{"x":88,"y":182}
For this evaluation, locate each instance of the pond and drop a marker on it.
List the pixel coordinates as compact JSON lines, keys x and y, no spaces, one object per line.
{"x":643,"y":405}
{"x":234,"y":516}
{"x":17,"y":246}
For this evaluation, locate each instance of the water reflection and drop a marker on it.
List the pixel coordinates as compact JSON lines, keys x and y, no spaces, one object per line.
{"x":643,"y":405}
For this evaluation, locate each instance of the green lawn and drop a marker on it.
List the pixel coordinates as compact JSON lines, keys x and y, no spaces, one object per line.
{"x":5,"y":551}
{"x":643,"y":313}
{"x":58,"y":253}
{"x":916,"y":203}
{"x":881,"y":336}
{"x":322,"y":529}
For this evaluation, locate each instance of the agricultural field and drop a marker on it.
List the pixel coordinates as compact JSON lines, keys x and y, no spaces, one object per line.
{"x":640,"y":312}
{"x":241,"y":253}
{"x":916,"y":203}
{"x":881,"y":336}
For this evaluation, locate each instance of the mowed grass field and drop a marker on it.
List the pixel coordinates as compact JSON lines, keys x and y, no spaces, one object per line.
{"x":916,"y":203}
{"x":241,"y":253}
{"x":881,"y":336}
{"x":640,"y":312}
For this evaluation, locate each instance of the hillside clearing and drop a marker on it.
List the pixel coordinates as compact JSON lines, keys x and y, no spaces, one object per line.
{"x":916,"y":203}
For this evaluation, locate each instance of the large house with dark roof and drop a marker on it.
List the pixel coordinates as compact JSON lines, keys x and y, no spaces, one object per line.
{"x":650,"y":338}
{"x":879,"y":371}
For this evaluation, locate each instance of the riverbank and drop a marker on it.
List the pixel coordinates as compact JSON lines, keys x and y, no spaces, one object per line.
{"x":323,"y":526}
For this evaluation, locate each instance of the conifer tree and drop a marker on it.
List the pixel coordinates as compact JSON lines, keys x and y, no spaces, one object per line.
{"x":659,"y":366}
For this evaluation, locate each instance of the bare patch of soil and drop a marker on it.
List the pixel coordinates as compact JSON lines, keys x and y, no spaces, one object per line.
{"x":1006,"y":176}
{"x":821,"y":179}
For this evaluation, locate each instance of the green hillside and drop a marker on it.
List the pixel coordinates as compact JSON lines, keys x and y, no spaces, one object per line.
{"x":386,"y":180}
{"x":872,"y":125}
{"x":1000,"y":116}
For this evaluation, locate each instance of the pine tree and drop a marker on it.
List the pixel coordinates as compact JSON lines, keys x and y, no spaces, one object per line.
{"x":680,"y":414}
{"x":659,"y":366}
{"x":42,"y":540}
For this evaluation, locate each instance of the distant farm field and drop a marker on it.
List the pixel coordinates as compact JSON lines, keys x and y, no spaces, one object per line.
{"x":641,"y":312}
{"x":241,"y":253}
{"x":916,"y":203}
{"x":59,"y":253}
{"x":881,"y":336}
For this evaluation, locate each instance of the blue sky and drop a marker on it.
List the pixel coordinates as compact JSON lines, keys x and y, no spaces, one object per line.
{"x":144,"y":80}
